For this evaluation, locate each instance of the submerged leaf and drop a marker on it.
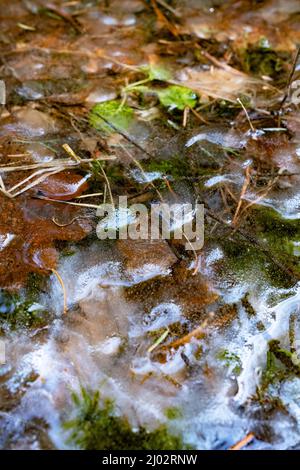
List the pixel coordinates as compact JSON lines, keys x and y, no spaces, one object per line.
{"x":172,"y":97}
{"x":157,"y":72}
{"x":228,"y":84}
{"x":118,"y":114}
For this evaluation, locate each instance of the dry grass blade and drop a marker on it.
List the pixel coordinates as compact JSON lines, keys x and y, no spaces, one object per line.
{"x":108,"y":186}
{"x":45,"y":169}
{"x":244,"y":189}
{"x":247,"y":115}
{"x":3,"y":188}
{"x":198,"y":333}
{"x":71,"y":152}
{"x":159,"y":340}
{"x":92,"y":206}
{"x":89,"y":195}
{"x":243,"y":442}
{"x":66,"y":162}
{"x":44,"y":176}
{"x":38,"y":172}
{"x":59,"y":278}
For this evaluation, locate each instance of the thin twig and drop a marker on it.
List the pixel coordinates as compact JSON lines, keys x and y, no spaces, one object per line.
{"x":244,"y":189}
{"x":161,"y":17}
{"x":108,"y":186}
{"x":247,"y":115}
{"x":287,"y":88}
{"x":126,"y":136}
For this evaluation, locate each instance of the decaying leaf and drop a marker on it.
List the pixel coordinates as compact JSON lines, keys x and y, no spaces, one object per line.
{"x":229,"y":84}
{"x":28,"y":233}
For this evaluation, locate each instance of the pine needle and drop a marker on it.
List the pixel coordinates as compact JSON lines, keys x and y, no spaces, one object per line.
{"x":243,"y":442}
{"x":159,"y":340}
{"x":59,"y":278}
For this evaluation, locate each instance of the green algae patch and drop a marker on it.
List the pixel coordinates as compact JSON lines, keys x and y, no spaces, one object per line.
{"x":113,"y":112}
{"x":96,"y":427}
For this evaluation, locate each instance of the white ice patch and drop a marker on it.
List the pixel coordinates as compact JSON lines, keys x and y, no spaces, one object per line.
{"x":255,"y":350}
{"x":5,"y":240}
{"x":225,"y":138}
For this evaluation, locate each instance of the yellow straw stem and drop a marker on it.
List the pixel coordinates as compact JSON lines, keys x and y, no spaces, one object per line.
{"x":63,"y":288}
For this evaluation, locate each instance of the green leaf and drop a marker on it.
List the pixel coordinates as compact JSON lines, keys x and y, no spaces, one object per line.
{"x":119,"y":115}
{"x":156,"y":72}
{"x":173,"y":97}
{"x":177,"y":97}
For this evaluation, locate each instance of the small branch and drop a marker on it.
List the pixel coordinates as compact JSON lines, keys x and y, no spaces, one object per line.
{"x":287,"y":88}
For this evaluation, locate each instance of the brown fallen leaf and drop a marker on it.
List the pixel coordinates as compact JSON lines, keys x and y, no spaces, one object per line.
{"x":28,"y":235}
{"x":63,"y":186}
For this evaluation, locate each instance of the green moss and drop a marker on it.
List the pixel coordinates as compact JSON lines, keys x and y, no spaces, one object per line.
{"x":280,"y":365}
{"x":19,"y":310}
{"x":268,"y":220}
{"x":176,"y":167}
{"x":230,"y":359}
{"x":278,"y":234}
{"x":273,"y":374}
{"x":246,"y":261}
{"x":17,"y":313}
{"x":35,"y":284}
{"x":285,"y":357}
{"x":67,"y":252}
{"x":118,"y":114}
{"x":173,"y":413}
{"x":261,"y":59}
{"x":95,"y":427}
{"x":278,"y":252}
